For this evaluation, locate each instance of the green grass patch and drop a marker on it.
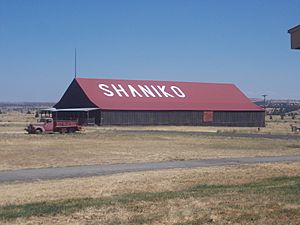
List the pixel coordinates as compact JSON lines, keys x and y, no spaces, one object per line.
{"x":280,"y":189}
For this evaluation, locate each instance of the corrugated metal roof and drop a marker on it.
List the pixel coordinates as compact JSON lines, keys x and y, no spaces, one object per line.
{"x":110,"y":94}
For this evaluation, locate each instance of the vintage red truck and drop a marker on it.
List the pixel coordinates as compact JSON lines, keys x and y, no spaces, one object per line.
{"x":49,"y":125}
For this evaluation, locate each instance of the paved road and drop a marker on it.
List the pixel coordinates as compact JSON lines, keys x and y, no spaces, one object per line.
{"x":27,"y":175}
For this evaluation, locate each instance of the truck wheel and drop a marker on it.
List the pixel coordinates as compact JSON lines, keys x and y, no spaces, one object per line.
{"x":63,"y":130}
{"x":71,"y":130}
{"x":38,"y":131}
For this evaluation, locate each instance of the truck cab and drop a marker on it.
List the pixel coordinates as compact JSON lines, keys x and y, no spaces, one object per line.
{"x":48,"y":125}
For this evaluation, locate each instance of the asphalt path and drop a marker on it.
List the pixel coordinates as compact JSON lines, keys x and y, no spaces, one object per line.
{"x":28,"y":175}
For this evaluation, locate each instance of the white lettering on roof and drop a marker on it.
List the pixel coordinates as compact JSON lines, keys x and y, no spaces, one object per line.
{"x":162,"y":89}
{"x":146,"y":91}
{"x":142,"y":91}
{"x":107,"y":92}
{"x":120,"y":90}
{"x":156,"y":91}
{"x":178,"y":91}
{"x":133,"y":91}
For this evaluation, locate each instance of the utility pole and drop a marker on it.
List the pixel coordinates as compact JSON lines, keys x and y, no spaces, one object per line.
{"x":264,"y":95}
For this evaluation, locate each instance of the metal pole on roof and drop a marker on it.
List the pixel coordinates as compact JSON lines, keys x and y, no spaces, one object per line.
{"x":75,"y":63}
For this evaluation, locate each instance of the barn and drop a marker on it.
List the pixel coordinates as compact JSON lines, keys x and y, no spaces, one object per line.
{"x":145,"y":102}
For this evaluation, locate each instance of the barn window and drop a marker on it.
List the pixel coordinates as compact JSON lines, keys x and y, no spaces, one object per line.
{"x":208,"y":116}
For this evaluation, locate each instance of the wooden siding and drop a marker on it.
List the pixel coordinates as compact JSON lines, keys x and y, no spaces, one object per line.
{"x":151,"y":118}
{"x":241,"y":119}
{"x":190,"y":118}
{"x":244,"y":119}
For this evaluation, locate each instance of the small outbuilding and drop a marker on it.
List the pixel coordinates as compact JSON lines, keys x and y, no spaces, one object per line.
{"x":144,"y":102}
{"x":295,"y":37}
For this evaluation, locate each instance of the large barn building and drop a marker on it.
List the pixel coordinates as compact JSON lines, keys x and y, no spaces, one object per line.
{"x":141,"y":102}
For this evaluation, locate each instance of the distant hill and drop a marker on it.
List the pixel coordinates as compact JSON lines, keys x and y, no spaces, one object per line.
{"x":24,"y":106}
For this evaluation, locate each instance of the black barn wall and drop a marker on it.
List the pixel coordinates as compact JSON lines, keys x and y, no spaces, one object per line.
{"x":241,"y":119}
{"x":151,"y":118}
{"x":83,"y":117}
{"x":220,"y":118}
{"x":191,"y":118}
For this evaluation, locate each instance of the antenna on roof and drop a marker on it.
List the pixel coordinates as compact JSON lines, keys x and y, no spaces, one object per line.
{"x":75,"y":63}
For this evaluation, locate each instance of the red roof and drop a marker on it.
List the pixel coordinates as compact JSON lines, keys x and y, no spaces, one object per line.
{"x":110,"y":94}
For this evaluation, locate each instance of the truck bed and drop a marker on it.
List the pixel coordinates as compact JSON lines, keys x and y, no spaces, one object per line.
{"x":65,"y":123}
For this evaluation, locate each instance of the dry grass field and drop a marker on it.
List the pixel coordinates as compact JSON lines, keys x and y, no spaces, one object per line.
{"x":256,"y":194}
{"x":247,"y":194}
{"x":99,"y":145}
{"x":108,"y":146}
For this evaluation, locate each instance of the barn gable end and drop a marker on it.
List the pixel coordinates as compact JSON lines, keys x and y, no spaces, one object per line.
{"x":74,"y":97}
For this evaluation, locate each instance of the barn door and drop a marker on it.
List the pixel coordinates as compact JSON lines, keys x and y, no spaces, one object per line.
{"x":208,"y":116}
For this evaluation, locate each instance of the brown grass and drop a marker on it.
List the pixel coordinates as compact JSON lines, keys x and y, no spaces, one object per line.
{"x":98,"y":145}
{"x":16,"y":118}
{"x":109,"y":146}
{"x":151,"y":181}
{"x":218,"y":207}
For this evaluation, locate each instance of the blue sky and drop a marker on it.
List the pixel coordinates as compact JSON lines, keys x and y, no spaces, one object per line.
{"x":232,"y":41}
